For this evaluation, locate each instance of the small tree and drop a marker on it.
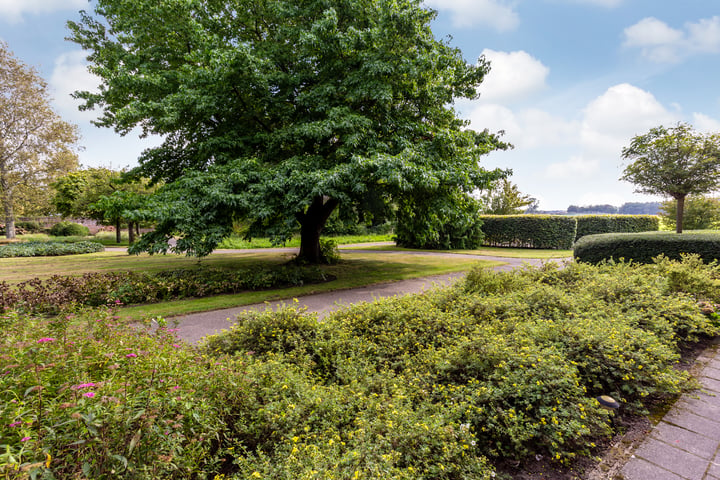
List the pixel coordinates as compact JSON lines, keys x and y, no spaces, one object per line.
{"x":504,"y":198}
{"x":35,"y":144}
{"x":674,"y":162}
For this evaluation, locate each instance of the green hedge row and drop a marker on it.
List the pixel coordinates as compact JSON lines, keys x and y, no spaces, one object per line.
{"x":643,"y":247}
{"x":49,"y":249}
{"x":558,"y":231}
{"x":529,"y":231}
{"x":596,"y":224}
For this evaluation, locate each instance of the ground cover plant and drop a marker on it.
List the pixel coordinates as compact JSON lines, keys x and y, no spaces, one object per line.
{"x":48,"y":249}
{"x":451,"y":384}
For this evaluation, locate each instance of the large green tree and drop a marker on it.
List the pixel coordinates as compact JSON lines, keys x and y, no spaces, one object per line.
{"x":36,"y":145}
{"x":277,"y":111}
{"x":674,"y":162}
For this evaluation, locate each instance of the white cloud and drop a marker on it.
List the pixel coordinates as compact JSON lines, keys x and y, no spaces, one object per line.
{"x":704,"y":36}
{"x":513,"y":75}
{"x":575,"y":168}
{"x":705,"y":123}
{"x":661,"y":43}
{"x":528,"y":128}
{"x":619,"y":114}
{"x":69,"y":75}
{"x":498,"y":14}
{"x":12,"y":11}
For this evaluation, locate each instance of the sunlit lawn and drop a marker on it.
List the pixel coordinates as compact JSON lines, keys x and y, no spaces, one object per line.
{"x":486,"y":251}
{"x":355,"y":270}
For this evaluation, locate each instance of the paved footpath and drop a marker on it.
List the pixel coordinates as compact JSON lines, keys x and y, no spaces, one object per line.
{"x":685,"y":444}
{"x":191,"y":328}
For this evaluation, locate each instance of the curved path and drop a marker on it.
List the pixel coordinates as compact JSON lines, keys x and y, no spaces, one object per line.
{"x":192,"y":327}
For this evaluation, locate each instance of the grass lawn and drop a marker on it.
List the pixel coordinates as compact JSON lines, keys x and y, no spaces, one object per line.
{"x":240,"y":243}
{"x":487,"y":251}
{"x":355,"y":270}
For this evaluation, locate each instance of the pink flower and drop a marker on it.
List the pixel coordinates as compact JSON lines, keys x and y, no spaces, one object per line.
{"x":131,"y":355}
{"x":175,"y":345}
{"x":89,"y":394}
{"x":46,"y":339}
{"x":15,"y":424}
{"x":82,"y":385}
{"x":176,"y":387}
{"x":25,"y":439}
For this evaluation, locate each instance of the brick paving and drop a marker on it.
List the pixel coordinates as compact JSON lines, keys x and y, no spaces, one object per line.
{"x":685,"y":444}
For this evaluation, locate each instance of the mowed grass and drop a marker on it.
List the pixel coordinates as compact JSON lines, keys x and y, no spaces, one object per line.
{"x":484,"y":251}
{"x":355,"y":270}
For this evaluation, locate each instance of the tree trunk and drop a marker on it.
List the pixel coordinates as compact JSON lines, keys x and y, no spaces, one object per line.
{"x":131,"y":233}
{"x":118,"y":231}
{"x":9,"y":216}
{"x":680,"y":213}
{"x":311,"y":224}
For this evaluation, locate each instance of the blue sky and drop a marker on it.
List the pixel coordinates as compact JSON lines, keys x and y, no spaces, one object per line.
{"x":572,"y":82}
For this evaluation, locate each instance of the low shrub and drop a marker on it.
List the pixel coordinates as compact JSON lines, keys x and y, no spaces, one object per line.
{"x":69,"y":229}
{"x":529,"y":231}
{"x":441,"y":385}
{"x":47,"y":249}
{"x":29,"y":226}
{"x":596,"y":224}
{"x":643,"y":247}
{"x":94,"y":289}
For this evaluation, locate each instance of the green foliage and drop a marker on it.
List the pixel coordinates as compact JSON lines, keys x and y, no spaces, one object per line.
{"x":500,"y":367}
{"x":314,"y":106}
{"x":29,"y":226}
{"x":700,"y":213}
{"x":94,"y":289}
{"x":504,"y":198}
{"x":47,"y":249}
{"x":76,"y":192}
{"x":644,"y":247}
{"x":445,"y":223}
{"x":594,"y":224}
{"x":329,"y":251}
{"x":674,"y":162}
{"x":529,"y":231}
{"x":69,"y":229}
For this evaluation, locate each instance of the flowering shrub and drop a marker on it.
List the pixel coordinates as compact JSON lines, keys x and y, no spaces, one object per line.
{"x":434,"y":386}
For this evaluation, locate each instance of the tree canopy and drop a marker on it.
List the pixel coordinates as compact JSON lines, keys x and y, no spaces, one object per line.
{"x":505,"y":198}
{"x":674,"y":162}
{"x":36,"y":145}
{"x":278,"y":111}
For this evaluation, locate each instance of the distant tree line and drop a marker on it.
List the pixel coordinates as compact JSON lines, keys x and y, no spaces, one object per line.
{"x":630,"y":208}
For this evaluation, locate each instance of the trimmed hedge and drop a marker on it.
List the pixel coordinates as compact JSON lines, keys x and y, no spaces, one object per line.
{"x":643,"y":247}
{"x":529,"y":231}
{"x":596,"y":224}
